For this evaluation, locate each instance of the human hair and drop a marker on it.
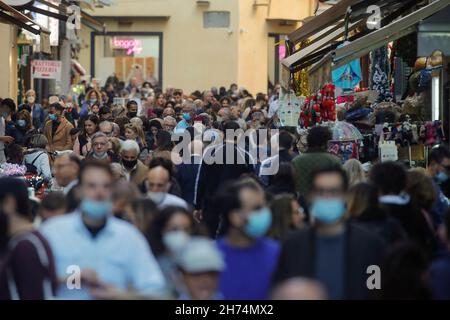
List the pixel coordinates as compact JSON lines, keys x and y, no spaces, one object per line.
{"x":331,"y":169}
{"x":227,"y":199}
{"x":281,"y":207}
{"x":104,"y":110}
{"x":230,"y":125}
{"x":131,"y":102}
{"x":94,"y":164}
{"x":438,"y":154}
{"x":10,"y":104}
{"x":318,"y":137}
{"x":39,"y":141}
{"x":286,"y":140}
{"x":54,"y":201}
{"x":162,"y":162}
{"x":130,"y":145}
{"x":94,"y":119}
{"x":164,"y":141}
{"x":421,"y":189}
{"x":16,"y":188}
{"x":138,"y":130}
{"x":15,"y":153}
{"x":361,"y":196}
{"x":57,"y":106}
{"x":355,"y":172}
{"x":155,"y":123}
{"x":97,"y":94}
{"x":72,"y":156}
{"x":25,"y":115}
{"x":97,"y":135}
{"x":159,"y":223}
{"x":389,"y":178}
{"x":121,"y":122}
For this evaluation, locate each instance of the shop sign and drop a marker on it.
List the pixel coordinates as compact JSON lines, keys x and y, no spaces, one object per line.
{"x":131,"y":45}
{"x":46,"y":69}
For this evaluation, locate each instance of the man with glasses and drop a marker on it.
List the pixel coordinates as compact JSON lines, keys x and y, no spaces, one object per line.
{"x":107,"y":128}
{"x":96,"y":254}
{"x":100,"y":150}
{"x":334,"y":252}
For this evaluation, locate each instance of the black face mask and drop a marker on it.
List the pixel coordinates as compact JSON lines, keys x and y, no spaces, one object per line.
{"x":129,"y":164}
{"x":131,"y":114}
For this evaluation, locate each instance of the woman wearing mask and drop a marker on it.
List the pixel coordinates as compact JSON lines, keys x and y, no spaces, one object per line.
{"x":24,"y":127}
{"x":287,"y":216}
{"x":153,"y":127}
{"x":36,"y":158}
{"x":35,"y":109}
{"x":363,"y":208}
{"x":28,"y":270}
{"x":135,"y":133}
{"x":82,"y":145}
{"x":168,"y":233}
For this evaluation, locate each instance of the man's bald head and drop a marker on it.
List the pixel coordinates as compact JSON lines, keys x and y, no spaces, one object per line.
{"x":158,"y":179}
{"x":299,"y":289}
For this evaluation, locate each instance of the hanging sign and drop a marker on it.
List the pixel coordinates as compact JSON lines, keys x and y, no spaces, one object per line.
{"x":46,"y":69}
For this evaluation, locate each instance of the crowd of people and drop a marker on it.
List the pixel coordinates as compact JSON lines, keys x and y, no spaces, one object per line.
{"x":123,"y":213}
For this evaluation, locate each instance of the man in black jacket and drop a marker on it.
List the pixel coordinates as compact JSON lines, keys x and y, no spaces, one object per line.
{"x":221,"y":163}
{"x":335,"y":253}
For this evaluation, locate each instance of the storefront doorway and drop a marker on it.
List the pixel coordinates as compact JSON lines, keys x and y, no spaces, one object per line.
{"x":127,"y":54}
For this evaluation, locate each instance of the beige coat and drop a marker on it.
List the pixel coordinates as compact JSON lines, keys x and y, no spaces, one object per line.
{"x":62,"y":139}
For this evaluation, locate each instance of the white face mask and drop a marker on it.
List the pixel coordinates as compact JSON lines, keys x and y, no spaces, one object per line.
{"x":175,"y":240}
{"x":31,"y":99}
{"x":156,"y":197}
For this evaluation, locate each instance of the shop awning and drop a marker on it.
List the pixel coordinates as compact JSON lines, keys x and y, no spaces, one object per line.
{"x":391,"y":32}
{"x":11,"y":15}
{"x":322,"y":21}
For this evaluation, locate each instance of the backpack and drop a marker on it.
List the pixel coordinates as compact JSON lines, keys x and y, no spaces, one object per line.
{"x":31,"y":168}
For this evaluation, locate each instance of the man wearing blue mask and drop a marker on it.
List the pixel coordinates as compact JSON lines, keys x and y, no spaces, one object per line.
{"x":250,"y":258}
{"x":57,"y":129}
{"x":96,"y":254}
{"x":188,"y":114}
{"x":332,"y":251}
{"x":439,"y":170}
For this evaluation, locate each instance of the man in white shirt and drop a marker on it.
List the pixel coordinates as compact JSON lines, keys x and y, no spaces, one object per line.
{"x":110,"y":258}
{"x":65,"y":170}
{"x":159,"y":182}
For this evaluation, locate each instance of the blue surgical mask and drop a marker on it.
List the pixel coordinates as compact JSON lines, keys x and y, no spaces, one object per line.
{"x":4,"y":115}
{"x":53,"y":117}
{"x":441,"y":177}
{"x":186,"y":116}
{"x":21,"y":123}
{"x":92,"y":101}
{"x":258,"y":223}
{"x":328,"y":211}
{"x":96,"y":210}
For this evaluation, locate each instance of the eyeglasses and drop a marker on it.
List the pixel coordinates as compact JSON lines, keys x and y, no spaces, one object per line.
{"x":332,"y":192}
{"x":99,"y":144}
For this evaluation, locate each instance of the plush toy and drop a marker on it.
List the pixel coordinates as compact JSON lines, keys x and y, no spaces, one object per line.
{"x":329,"y":103}
{"x":317,"y":118}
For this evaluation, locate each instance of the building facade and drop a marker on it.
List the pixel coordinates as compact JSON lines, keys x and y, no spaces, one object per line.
{"x":193,"y":44}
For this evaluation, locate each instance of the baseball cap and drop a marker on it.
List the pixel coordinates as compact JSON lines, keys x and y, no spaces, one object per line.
{"x":201,"y":255}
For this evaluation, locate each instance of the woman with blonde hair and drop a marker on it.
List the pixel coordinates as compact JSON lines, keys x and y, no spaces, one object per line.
{"x":136,"y":133}
{"x":355,"y":172}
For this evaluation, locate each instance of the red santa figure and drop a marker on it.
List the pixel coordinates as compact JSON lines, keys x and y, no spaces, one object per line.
{"x":329,"y":103}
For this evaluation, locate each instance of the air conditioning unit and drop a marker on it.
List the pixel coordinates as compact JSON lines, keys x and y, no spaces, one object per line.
{"x":204,"y":3}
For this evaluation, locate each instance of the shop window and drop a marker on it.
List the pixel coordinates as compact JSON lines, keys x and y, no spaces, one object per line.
{"x":128,"y":56}
{"x":216,"y":19}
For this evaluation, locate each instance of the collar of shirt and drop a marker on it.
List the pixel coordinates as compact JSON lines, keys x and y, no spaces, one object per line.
{"x":107,"y":230}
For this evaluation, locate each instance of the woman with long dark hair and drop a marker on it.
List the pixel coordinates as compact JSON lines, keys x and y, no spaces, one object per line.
{"x":82,"y":145}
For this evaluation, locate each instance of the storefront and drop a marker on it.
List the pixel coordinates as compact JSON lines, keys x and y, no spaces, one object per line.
{"x":128,"y":55}
{"x":397,"y":126}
